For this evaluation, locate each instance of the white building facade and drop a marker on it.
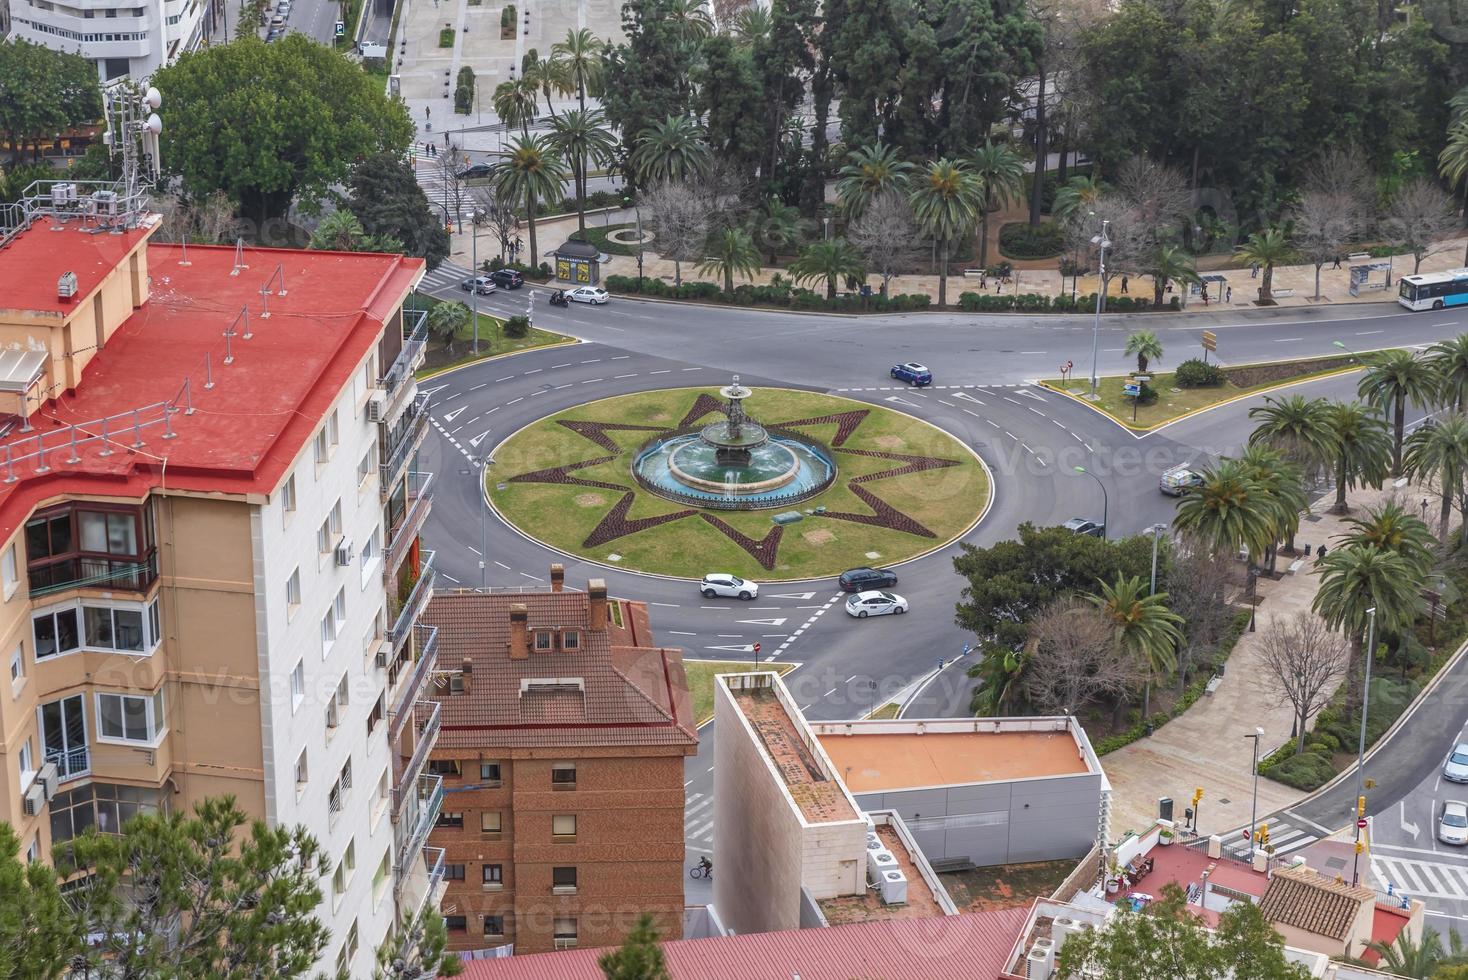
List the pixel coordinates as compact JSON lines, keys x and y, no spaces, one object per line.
{"x":121,"y":37}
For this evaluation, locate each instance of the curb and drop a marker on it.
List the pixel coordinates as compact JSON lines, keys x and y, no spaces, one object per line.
{"x":440,"y":372}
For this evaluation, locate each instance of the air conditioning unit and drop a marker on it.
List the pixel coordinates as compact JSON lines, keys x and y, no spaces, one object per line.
{"x":63,"y":193}
{"x":35,"y":798}
{"x":874,"y":843}
{"x":893,"y":884}
{"x":49,"y":778}
{"x":344,"y":553}
{"x":104,"y":202}
{"x":1040,"y":963}
{"x":382,"y":657}
{"x":66,"y":285}
{"x":1061,"y":928}
{"x":879,"y":861}
{"x":376,"y":405}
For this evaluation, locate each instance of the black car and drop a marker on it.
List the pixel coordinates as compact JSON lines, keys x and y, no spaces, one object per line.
{"x":508,"y":278}
{"x":477,"y":170}
{"x":866,"y":579}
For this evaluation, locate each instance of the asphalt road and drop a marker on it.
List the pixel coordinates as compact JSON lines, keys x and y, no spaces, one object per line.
{"x":1030,"y":438}
{"x":314,"y":18}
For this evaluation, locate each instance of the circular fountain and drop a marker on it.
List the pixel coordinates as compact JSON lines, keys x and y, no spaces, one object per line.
{"x":734,"y":463}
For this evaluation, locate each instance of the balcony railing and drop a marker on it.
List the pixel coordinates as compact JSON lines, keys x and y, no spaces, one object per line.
{"x":407,"y":436}
{"x":403,"y":698}
{"x":92,"y":572}
{"x":425,"y":728}
{"x":72,"y":763}
{"x":404,"y":532}
{"x":395,"y":381}
{"x":416,"y":821}
{"x":414,"y":604}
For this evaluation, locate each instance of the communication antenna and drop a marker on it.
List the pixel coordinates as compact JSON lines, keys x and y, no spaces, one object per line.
{"x":131,"y":137}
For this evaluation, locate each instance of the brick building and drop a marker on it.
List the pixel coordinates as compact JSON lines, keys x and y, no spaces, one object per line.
{"x":561,"y":750}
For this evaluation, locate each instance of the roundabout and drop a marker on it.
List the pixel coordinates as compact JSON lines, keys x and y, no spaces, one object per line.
{"x":683,"y":481}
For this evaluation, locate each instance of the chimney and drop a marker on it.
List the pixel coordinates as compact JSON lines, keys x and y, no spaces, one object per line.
{"x":558,"y":577}
{"x":596,"y":591}
{"x":519,"y":631}
{"x":466,"y":668}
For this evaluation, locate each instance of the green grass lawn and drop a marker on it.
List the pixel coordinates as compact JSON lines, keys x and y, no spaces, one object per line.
{"x":886,"y":711}
{"x":597,"y":235}
{"x":492,"y":342}
{"x":946,"y":501}
{"x":701,"y":680}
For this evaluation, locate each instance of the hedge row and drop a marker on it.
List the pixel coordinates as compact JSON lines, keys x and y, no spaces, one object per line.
{"x":1019,"y":241}
{"x":542,"y":271}
{"x":1035,"y":303}
{"x":779,"y":294}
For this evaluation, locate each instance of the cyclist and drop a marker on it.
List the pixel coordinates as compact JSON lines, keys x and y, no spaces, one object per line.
{"x":706,"y":866}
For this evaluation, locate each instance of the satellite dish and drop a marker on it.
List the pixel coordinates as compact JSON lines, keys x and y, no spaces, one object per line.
{"x":153,"y":97}
{"x":154,"y":125}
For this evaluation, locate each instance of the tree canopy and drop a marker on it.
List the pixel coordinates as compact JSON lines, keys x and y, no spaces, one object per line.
{"x":388,"y":200}
{"x":43,"y":91}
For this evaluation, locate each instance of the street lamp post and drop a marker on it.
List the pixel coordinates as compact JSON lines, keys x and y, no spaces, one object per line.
{"x":1104,"y":243}
{"x":1361,"y":740}
{"x":474,"y":292}
{"x":1156,"y":531}
{"x":1254,"y":808}
{"x":1105,"y":502}
{"x":1253,"y":594}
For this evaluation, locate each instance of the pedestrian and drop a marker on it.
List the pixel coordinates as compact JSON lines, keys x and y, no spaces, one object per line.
{"x":983,"y":283}
{"x":1228,"y":294}
{"x":428,"y":112}
{"x":1320,"y":553}
{"x":1123,"y":285}
{"x":1254,"y":271}
{"x":1205,"y":292}
{"x":1337,"y":261}
{"x":445,"y":139}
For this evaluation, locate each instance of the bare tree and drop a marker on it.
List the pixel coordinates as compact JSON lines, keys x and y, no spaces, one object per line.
{"x":679,"y":216}
{"x":885,"y":235}
{"x":1418,"y":214}
{"x":451,"y":162}
{"x":1074,"y":658}
{"x":1200,"y":584}
{"x":1158,"y":195}
{"x":497,"y":211}
{"x":207,"y":221}
{"x":1300,"y":661}
{"x":724,"y":189}
{"x":1335,"y":207}
{"x":1128,"y":243}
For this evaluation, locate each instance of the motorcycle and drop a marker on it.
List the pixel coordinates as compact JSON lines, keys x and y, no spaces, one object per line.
{"x":558,"y":298}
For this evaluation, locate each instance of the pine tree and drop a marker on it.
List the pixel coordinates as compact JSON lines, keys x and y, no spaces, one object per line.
{"x":639,"y":957}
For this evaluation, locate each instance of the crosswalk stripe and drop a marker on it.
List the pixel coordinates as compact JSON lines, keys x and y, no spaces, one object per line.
{"x":1405,"y":875}
{"x":691,"y":812}
{"x":701,"y":831}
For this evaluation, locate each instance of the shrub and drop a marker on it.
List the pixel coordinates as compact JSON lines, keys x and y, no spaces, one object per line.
{"x":464,"y":91}
{"x":1193,"y":373}
{"x":1019,"y":240}
{"x":507,"y":18}
{"x":446,"y":37}
{"x":517,"y":326}
{"x":1307,"y":771}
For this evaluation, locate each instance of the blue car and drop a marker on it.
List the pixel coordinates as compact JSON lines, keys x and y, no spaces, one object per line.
{"x":913,"y":373}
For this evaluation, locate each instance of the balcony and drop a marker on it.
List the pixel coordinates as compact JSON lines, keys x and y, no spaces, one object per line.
{"x":416,"y":822}
{"x":398,"y":379}
{"x":426,"y":720}
{"x":422,"y":884}
{"x":402,"y":699}
{"x":71,"y":764}
{"x":404,"y":531}
{"x":412,"y":605}
{"x":402,"y":442}
{"x":87,"y":572}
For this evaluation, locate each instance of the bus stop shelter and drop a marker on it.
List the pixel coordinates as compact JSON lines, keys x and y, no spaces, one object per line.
{"x":1217,"y":288}
{"x":1371,"y":277}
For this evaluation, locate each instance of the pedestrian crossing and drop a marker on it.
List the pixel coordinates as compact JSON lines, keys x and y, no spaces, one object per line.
{"x":1282,"y":834}
{"x":445,"y":276}
{"x":1420,"y":879}
{"x":698,"y":823}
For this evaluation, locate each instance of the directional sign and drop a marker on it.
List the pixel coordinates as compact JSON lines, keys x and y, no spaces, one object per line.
{"x":1210,"y":340}
{"x":741,"y":648}
{"x":478,"y":439}
{"x":453,"y":415}
{"x":763,"y":622}
{"x":1141,"y":378}
{"x":1133,"y":390}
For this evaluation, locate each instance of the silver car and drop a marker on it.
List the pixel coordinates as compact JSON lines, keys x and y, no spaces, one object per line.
{"x":1456,"y":768}
{"x":1452,"y":827}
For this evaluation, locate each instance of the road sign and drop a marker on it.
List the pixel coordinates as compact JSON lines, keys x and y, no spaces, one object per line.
{"x":1133,"y":390}
{"x":756,"y":648}
{"x":1361,"y":823}
{"x":1210,"y":340}
{"x":1141,"y":378}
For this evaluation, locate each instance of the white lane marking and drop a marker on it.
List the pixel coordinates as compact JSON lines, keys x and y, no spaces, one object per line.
{"x":536,"y":371}
{"x":520,"y":399}
{"x":475,"y":550}
{"x":619,"y":377}
{"x":1368,"y":333}
{"x":477,"y":387}
{"x":508,"y":377}
{"x":554,"y":366}
{"x":501,"y":564}
{"x":663,"y":371}
{"x":594,"y":360}
{"x":681,"y":633}
{"x":592,"y":381}
{"x":1287,"y":340}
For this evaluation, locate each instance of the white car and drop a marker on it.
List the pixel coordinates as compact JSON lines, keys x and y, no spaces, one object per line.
{"x":1452,"y":827}
{"x":730,"y":586}
{"x":1455,"y":768}
{"x":878,"y":603}
{"x":594,"y":295}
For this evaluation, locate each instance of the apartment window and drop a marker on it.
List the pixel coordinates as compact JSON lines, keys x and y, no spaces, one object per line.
{"x":293,"y":593}
{"x":369,"y":556}
{"x":450,"y":818}
{"x":564,"y":930}
{"x":328,"y":630}
{"x":323,"y":448}
{"x":131,"y":718}
{"x":494,"y":925}
{"x":489,"y":772}
{"x":303,"y":773}
{"x":455,"y":923}
{"x":104,"y":547}
{"x":453,"y":872}
{"x":563,"y":775}
{"x":369,"y":373}
{"x":333,"y":427}
{"x":10,"y":572}
{"x":323,"y":537}
{"x":339,"y":606}
{"x":56,"y":631}
{"x":336,"y":518}
{"x":375,"y":715}
{"x":69,"y":627}
{"x":349,"y":950}
{"x":544,"y":640}
{"x":570,"y":640}
{"x":298,"y":684}
{"x":563,"y":826}
{"x":563,"y":881}
{"x":27,"y":764}
{"x":344,"y":780}
{"x":493,"y":874}
{"x":17,"y":667}
{"x":113,"y":629}
{"x":490,"y":822}
{"x":288,"y":498}
{"x":449,"y":768}
{"x":367,"y":465}
{"x":379,"y":877}
{"x":33,"y":853}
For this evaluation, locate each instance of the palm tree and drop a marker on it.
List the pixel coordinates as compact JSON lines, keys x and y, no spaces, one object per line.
{"x":531,"y":170}
{"x":1391,"y":528}
{"x":1449,"y":358}
{"x":1228,"y":511}
{"x":780,"y":228}
{"x":549,"y":75}
{"x":1298,"y":427}
{"x":690,"y":20}
{"x":670,"y":150}
{"x":1391,"y":380}
{"x":1001,"y":674}
{"x":1363,"y":450}
{"x":1441,"y":451}
{"x":446,"y":320}
{"x":1354,"y":579}
{"x":580,"y":137}
{"x":1282,"y":482}
{"x":1420,"y":959}
{"x":731,"y":251}
{"x":581,"y":53}
{"x":1075,"y":198}
{"x":1147,"y":348}
{"x":830,"y":259}
{"x":1145,"y":629}
{"x":1266,"y":249}
{"x":1001,"y":176}
{"x":1169,"y":263}
{"x":870,"y":172}
{"x":339,"y":231}
{"x":945,"y":201}
{"x":515,"y":102}
{"x":752,"y":24}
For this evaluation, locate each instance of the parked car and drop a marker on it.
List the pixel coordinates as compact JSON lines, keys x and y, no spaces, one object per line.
{"x":507,"y":278}
{"x":865,"y":579}
{"x":865,"y":604}
{"x":1079,"y":525}
{"x":594,"y":295}
{"x":276,"y":33}
{"x":1179,"y":480}
{"x":476,"y":170}
{"x":277,"y":23}
{"x":913,"y":373}
{"x":1452,"y":826}
{"x":1456,"y":768}
{"x":483,"y":285}
{"x":729,"y":586}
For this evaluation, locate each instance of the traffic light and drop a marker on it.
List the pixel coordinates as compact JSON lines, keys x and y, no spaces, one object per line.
{"x":1360,"y":846}
{"x":1197,"y":795}
{"x":1264,"y":833}
{"x":1360,"y":806}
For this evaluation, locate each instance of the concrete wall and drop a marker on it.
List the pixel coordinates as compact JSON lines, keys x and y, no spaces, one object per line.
{"x":999,"y":823}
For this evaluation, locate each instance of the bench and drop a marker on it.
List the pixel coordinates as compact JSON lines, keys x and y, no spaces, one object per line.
{"x":1296,"y":565}
{"x":1358,"y":256}
{"x":1213,"y":684}
{"x":1281,"y":293}
{"x":973,"y":273}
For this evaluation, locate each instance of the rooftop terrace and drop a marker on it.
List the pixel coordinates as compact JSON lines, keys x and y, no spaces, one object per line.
{"x":890,"y":760}
{"x":921,"y":902}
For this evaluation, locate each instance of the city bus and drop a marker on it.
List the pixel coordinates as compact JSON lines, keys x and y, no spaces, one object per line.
{"x":1434,"y":290}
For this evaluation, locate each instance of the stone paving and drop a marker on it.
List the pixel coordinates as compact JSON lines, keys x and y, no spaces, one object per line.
{"x":1208,"y":745}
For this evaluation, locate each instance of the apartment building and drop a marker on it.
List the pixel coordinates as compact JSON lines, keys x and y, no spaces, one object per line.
{"x":212,"y":578}
{"x":134,"y":38}
{"x":563,"y":735}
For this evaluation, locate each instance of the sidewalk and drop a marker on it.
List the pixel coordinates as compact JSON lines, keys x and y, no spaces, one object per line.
{"x":1208,"y":745}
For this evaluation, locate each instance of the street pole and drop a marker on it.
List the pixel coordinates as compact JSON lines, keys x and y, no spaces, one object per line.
{"x":1104,"y":242}
{"x":1254,"y":808}
{"x":1105,"y":501}
{"x":1361,"y":741}
{"x":474,"y":260}
{"x":1156,"y":530}
{"x":484,"y":506}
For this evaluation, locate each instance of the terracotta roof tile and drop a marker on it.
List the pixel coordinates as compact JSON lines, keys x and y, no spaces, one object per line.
{"x":1310,"y":901}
